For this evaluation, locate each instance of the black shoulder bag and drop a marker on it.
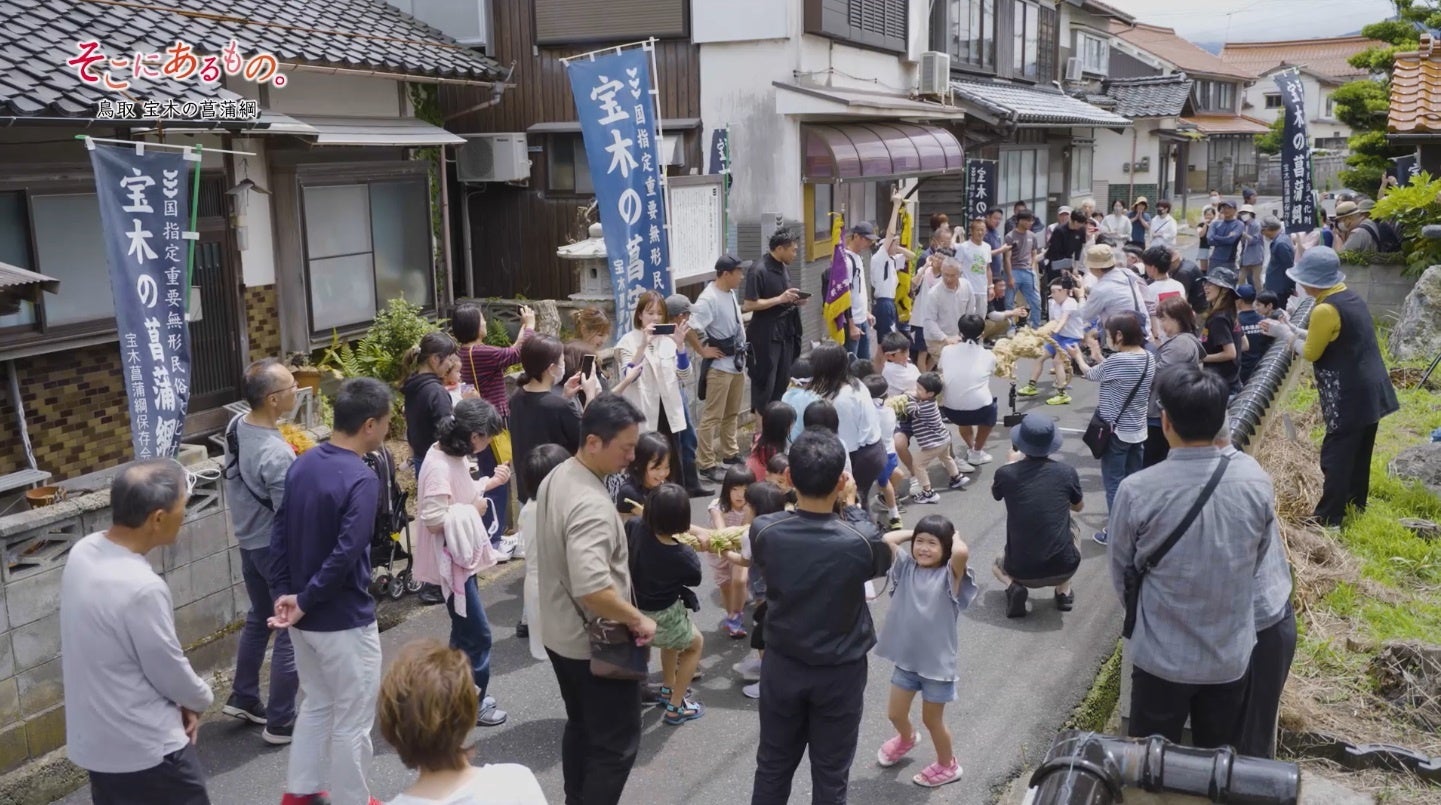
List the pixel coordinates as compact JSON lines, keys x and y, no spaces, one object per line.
{"x":1135,"y":575}
{"x":1099,"y":432}
{"x":232,"y":446}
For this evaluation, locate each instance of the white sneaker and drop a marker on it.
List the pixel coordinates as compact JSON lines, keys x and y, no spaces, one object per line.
{"x":749,"y":669}
{"x":964,"y":467}
{"x":505,"y":550}
{"x":519,"y":551}
{"x":752,"y":691}
{"x":978,"y":457}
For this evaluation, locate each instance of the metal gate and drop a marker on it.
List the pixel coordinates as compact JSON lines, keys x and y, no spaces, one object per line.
{"x":215,"y":363}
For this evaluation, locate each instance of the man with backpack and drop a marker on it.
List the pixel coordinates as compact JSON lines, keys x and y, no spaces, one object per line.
{"x":257,"y":458}
{"x":1362,"y":233}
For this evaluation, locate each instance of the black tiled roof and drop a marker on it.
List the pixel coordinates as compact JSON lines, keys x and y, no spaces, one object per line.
{"x":38,"y":36}
{"x":1152,"y":96}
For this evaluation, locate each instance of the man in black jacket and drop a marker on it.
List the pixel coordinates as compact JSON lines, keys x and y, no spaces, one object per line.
{"x":1066,"y":243}
{"x":775,"y":327}
{"x":1186,"y":272}
{"x":818,"y":627}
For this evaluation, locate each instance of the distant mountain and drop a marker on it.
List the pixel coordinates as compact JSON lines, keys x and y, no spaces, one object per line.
{"x":1214,"y":48}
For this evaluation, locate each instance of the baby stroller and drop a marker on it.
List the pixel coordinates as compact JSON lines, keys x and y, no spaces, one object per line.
{"x":392,"y":525}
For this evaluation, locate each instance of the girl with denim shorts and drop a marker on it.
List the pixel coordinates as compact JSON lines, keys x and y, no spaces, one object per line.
{"x":930,"y":586}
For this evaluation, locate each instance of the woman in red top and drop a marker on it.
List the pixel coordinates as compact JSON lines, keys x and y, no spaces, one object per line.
{"x":483,"y":366}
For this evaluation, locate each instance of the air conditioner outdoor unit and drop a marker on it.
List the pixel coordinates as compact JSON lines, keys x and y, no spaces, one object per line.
{"x":493,"y":158}
{"x":1074,"y":69}
{"x":935,"y":73}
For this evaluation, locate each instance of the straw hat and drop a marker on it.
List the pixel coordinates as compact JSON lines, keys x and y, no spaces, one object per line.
{"x":1100,"y":256}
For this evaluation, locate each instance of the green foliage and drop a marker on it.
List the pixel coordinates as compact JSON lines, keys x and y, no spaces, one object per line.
{"x":1270,"y":142}
{"x":380,"y":351}
{"x":1411,"y":207}
{"x":495,"y":333}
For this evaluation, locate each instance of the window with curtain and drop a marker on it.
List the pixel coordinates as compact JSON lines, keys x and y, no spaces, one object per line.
{"x":569,"y":168}
{"x":365,"y":244}
{"x":1094,"y":53}
{"x":1025,"y":50}
{"x":968,"y":30}
{"x":67,"y":245}
{"x":1218,"y":97}
{"x":1025,"y":176}
{"x":1082,"y":157}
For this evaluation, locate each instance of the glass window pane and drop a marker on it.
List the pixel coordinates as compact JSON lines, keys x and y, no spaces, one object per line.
{"x":337,"y":220}
{"x":1018,"y":44}
{"x":342,"y":291}
{"x":988,"y":33}
{"x":822,"y":199}
{"x":400,"y":226}
{"x":583,"y":184}
{"x":1032,"y":41}
{"x":561,"y":164}
{"x":1027,"y":173}
{"x":14,"y":231}
{"x":69,"y":247}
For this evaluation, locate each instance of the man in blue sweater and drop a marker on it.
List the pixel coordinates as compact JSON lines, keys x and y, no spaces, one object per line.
{"x":320,"y":571}
{"x":1224,"y":235}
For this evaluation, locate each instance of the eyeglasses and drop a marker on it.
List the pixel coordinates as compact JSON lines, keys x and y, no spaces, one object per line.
{"x":291,"y":387}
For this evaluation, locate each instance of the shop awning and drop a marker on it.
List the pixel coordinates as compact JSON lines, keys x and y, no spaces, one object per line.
{"x":796,"y":99}
{"x":402,"y":131}
{"x":1226,"y":124}
{"x":13,"y":277}
{"x":1027,"y":107}
{"x":876,"y":151}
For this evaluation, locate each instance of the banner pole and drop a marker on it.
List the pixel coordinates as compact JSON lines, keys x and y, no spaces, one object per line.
{"x":590,"y":54}
{"x":649,"y":45}
{"x":194,"y":218}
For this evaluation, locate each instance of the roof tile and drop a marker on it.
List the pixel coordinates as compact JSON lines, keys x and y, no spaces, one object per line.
{"x":38,"y":37}
{"x":1166,"y":44}
{"x":1152,"y":96}
{"x":1033,"y":105}
{"x":1416,"y":90}
{"x":1323,"y":57}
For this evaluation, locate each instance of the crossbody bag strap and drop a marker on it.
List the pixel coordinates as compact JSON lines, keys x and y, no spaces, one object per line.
{"x":1135,"y":390}
{"x":1185,"y":524}
{"x":232,"y":442}
{"x":470,"y":359}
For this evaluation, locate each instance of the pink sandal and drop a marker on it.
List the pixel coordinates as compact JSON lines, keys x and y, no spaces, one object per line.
{"x":936,"y":775}
{"x":893,"y":750}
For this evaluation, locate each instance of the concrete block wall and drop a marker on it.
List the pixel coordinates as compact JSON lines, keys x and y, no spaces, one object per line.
{"x":1383,"y":287}
{"x":202,"y":571}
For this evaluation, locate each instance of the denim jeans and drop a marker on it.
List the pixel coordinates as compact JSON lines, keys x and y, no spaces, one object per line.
{"x":860,"y":347}
{"x":471,"y":633}
{"x":1120,"y":459}
{"x":1025,"y":282}
{"x":254,"y":636}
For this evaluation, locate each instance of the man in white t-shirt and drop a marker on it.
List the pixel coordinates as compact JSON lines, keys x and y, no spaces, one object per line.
{"x":975,"y":258}
{"x":860,"y":242}
{"x":966,"y":400}
{"x":1161,"y":287}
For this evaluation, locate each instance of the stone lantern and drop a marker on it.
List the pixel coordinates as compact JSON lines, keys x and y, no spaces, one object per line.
{"x":592,"y":274}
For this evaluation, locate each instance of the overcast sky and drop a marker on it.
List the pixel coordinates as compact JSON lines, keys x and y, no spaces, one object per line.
{"x":1257,"y":20}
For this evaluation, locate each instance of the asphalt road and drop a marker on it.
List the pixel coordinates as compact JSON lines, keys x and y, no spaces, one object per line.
{"x":1019,"y":680}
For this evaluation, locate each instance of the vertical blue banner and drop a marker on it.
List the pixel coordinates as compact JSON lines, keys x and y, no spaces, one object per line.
{"x":980,"y":189}
{"x":144,"y":208}
{"x":622,"y":142}
{"x":1298,"y":203}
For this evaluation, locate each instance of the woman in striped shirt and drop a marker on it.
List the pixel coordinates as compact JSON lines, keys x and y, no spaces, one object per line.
{"x":1125,"y":380}
{"x":483,"y":366}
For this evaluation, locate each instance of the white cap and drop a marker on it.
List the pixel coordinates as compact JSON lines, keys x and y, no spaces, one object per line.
{"x":1064,"y":211}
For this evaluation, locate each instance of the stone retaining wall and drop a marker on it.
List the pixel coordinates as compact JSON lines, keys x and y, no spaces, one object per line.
{"x":1383,"y":287}
{"x":205,"y":583}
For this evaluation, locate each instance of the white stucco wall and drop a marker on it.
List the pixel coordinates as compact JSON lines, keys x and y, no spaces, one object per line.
{"x":757,"y":42}
{"x":1315,"y":99}
{"x":257,"y":255}
{"x":1114,"y":150}
{"x":317,"y":93}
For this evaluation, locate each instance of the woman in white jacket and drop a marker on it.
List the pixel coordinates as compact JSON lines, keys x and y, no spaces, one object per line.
{"x":664,"y":365}
{"x":454,"y":540}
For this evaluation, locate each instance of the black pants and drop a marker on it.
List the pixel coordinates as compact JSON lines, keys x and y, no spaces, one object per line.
{"x":807,"y":707}
{"x":1270,"y":665}
{"x":866,"y":466}
{"x":602,"y":732}
{"x":177,"y":780}
{"x":1160,"y":707}
{"x":1346,"y":469}
{"x":771,"y":371}
{"x":683,"y":470}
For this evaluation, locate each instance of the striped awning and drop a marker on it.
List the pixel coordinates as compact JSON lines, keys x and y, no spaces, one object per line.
{"x":876,"y":151}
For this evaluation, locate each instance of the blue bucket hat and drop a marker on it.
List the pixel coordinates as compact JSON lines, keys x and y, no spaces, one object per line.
{"x":1036,"y":436}
{"x":1319,"y":267}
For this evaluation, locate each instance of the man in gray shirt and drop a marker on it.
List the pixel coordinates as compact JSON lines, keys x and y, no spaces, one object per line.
{"x":715,"y":319}
{"x":1196,"y":614}
{"x":257,"y":458}
{"x":132,"y":701}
